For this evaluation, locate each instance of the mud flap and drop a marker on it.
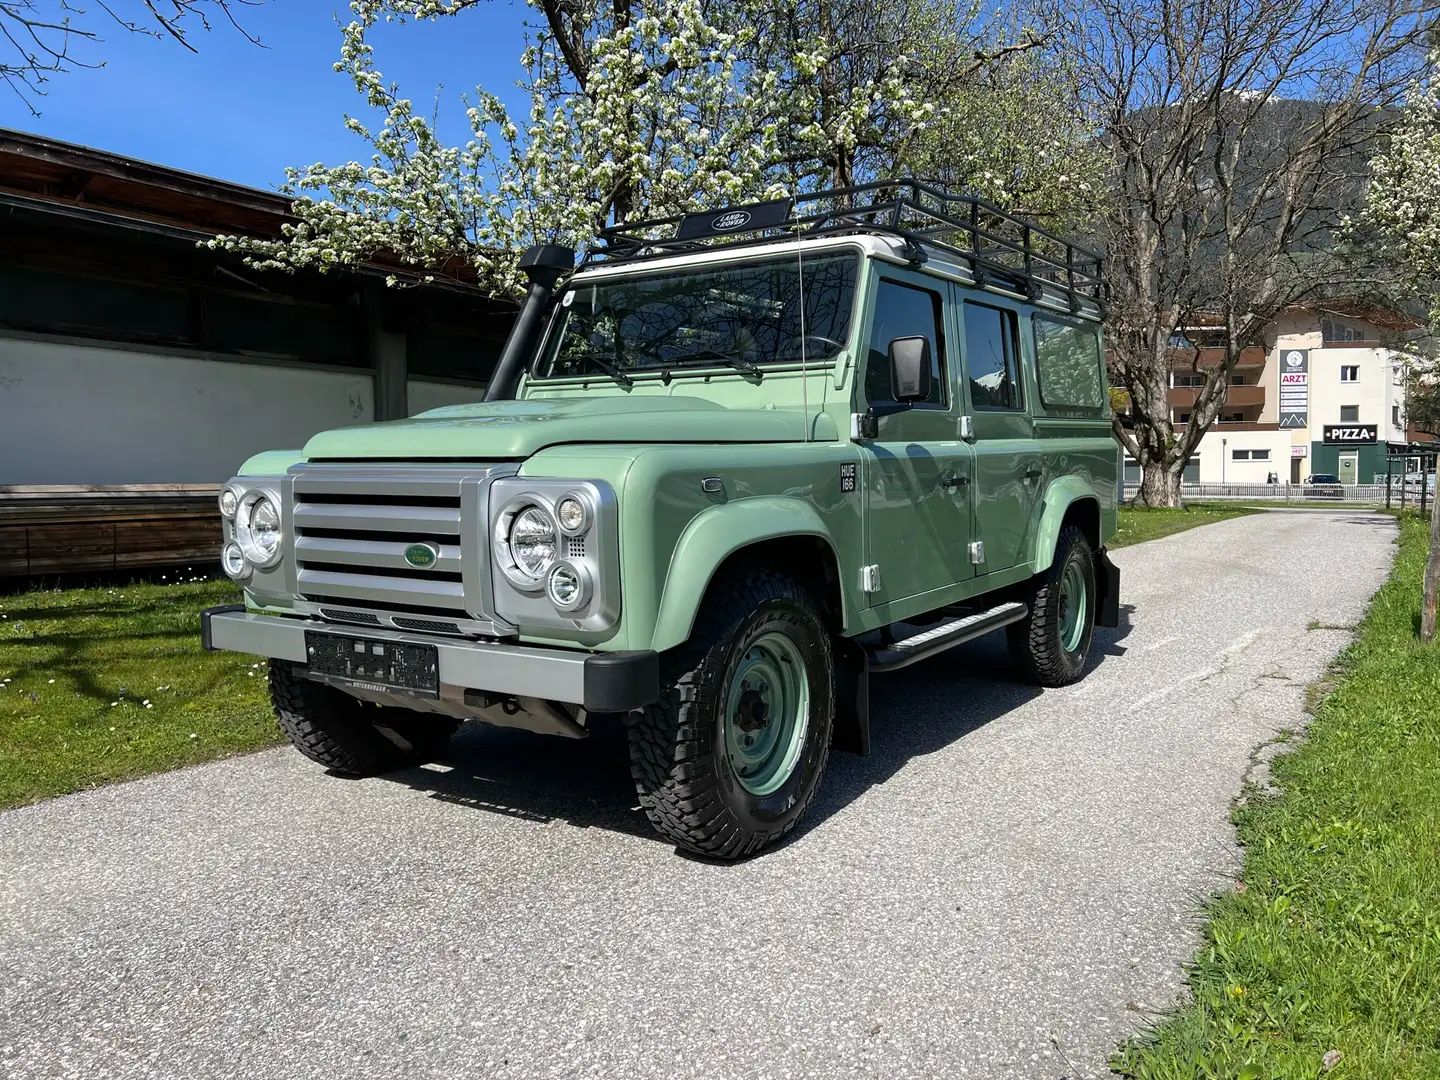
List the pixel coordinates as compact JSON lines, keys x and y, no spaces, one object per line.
{"x":851,"y":732}
{"x":1107,"y":589}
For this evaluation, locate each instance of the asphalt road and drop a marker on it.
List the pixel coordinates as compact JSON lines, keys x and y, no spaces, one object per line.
{"x":1005,"y":888}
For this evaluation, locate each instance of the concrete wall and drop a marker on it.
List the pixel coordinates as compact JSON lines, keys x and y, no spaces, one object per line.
{"x":426,"y":395}
{"x":78,"y":414}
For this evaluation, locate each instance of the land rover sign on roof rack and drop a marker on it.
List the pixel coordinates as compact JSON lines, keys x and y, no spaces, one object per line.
{"x":764,"y":215}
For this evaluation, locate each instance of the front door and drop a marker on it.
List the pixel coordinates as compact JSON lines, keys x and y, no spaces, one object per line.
{"x":917,"y":472}
{"x":1349,"y":468}
{"x":1009,"y":468}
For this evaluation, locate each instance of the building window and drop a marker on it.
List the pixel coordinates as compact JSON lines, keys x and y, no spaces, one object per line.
{"x":1237,"y":380}
{"x":1349,"y":372}
{"x":1232,"y":418}
{"x":1395,"y":415}
{"x":1189,"y":380}
{"x":1249,"y":455}
{"x":1349,"y":414}
{"x":1183,"y":418}
{"x":1341,"y":332}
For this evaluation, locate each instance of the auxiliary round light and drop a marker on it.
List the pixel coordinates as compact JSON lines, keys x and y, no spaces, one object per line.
{"x":232,"y":560}
{"x":567,"y":586}
{"x":572,"y":514}
{"x":228,"y":502}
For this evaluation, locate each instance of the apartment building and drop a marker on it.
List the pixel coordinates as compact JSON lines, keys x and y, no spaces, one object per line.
{"x":1321,"y":393}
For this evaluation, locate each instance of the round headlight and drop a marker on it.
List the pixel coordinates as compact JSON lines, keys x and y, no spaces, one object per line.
{"x":257,"y":528}
{"x":228,"y":501}
{"x":568,"y":587}
{"x":232,"y":560}
{"x":572,"y":514}
{"x":532,"y":541}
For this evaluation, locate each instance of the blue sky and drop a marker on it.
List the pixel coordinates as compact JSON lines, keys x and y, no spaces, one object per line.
{"x":243,"y":113}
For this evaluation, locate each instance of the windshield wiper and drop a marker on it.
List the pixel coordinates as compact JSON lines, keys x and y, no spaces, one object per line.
{"x":601,"y":362}
{"x":739,"y":363}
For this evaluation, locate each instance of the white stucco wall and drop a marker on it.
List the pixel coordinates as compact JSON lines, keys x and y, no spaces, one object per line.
{"x":432,"y":395}
{"x":1217,"y":456}
{"x":77,"y":414}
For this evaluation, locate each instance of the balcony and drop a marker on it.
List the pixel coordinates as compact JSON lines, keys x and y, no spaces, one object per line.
{"x":1252,"y":356}
{"x":1238,"y":397}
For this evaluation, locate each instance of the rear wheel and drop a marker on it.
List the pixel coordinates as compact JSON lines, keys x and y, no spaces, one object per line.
{"x":1052,"y":643}
{"x":732,"y":755}
{"x":350,"y":736}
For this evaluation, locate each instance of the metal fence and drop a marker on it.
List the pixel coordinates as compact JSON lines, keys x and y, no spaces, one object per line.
{"x":1300,"y":494}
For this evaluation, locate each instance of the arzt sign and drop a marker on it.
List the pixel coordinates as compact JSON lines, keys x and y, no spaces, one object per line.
{"x":1294,"y":388}
{"x":1350,"y":433}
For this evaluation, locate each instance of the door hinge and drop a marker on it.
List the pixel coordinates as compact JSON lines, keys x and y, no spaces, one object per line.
{"x":870,"y":579}
{"x":977,"y":552}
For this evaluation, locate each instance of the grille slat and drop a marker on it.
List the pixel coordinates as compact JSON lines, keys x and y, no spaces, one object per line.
{"x":388,"y":554}
{"x":378,"y":518}
{"x":322,"y":584}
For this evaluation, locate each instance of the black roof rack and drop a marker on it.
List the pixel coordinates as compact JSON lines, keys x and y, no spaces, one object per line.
{"x":1000,"y":247}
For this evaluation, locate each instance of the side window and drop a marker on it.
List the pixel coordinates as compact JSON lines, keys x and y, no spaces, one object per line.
{"x":992,"y":341}
{"x":1067,"y":360}
{"x":904,"y":311}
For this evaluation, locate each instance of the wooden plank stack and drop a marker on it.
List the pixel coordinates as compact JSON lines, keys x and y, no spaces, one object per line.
{"x":95,"y":527}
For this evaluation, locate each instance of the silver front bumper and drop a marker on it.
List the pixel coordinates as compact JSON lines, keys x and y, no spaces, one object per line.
{"x":599,"y":682}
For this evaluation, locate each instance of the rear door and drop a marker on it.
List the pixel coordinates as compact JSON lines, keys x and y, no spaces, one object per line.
{"x":1009,"y":467}
{"x":917,"y":471}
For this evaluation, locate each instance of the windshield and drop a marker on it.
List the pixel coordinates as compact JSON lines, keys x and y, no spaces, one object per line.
{"x":743,"y":315}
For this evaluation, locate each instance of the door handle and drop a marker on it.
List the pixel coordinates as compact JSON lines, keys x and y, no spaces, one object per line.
{"x":954,"y":481}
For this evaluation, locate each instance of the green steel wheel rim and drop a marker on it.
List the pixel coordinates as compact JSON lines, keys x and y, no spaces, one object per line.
{"x":1073,"y":605}
{"x":767,"y":713}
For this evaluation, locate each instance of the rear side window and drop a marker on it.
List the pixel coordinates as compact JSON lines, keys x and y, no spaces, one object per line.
{"x":992,"y":347}
{"x":904,"y":311}
{"x":1067,"y":360}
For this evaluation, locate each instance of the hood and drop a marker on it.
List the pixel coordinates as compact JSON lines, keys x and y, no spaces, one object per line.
{"x":517,"y":429}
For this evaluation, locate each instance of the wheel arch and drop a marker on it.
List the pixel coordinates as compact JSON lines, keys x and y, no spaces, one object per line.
{"x":780,"y":533}
{"x":1069,"y":500}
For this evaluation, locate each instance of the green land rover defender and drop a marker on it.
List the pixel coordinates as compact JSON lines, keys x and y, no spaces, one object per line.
{"x":725,"y":471}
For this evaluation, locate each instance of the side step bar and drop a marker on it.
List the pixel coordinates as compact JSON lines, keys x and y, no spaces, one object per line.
{"x":945,"y":636}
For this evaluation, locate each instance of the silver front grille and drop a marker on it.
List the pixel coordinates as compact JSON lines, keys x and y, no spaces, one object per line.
{"x":352,"y":526}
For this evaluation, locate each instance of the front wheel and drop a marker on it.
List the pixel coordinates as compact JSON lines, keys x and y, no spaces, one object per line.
{"x":732,"y":755}
{"x":1052,"y":643}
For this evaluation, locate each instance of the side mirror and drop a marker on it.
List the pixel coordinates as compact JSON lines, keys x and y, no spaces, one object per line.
{"x":910,"y":368}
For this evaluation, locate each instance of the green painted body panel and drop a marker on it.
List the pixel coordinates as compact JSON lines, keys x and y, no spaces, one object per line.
{"x":514,"y":430}
{"x":922,"y":493}
{"x":271,"y":463}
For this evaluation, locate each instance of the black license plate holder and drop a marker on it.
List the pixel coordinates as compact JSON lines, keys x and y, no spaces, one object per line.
{"x":391,"y":667}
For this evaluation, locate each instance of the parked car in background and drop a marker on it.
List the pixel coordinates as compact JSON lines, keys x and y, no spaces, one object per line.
{"x":1414,"y":480}
{"x":1324,"y":486}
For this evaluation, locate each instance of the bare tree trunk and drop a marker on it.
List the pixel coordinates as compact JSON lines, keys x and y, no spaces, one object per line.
{"x":1159,"y":485}
{"x":1432,"y":574}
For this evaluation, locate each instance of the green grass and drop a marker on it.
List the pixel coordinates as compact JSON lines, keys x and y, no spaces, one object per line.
{"x":1138,"y":524}
{"x":1330,"y":939}
{"x":104,"y":684}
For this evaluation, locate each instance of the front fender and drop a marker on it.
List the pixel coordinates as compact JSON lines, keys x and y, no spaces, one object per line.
{"x":1059,"y":496}
{"x":713,"y":536}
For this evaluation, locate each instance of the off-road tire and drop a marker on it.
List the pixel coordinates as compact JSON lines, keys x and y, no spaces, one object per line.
{"x":1036,"y":645}
{"x":678,"y":755}
{"x":350,"y":736}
